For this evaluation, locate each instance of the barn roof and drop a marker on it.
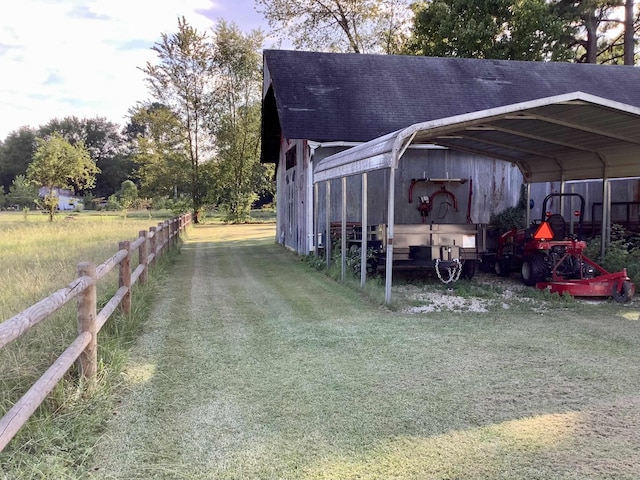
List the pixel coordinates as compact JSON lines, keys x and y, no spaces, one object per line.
{"x":353,"y":97}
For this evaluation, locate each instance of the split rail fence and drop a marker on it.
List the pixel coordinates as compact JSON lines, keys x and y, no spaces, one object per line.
{"x":150,"y":246}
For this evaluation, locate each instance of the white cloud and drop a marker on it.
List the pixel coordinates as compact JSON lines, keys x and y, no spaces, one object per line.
{"x":81,"y":57}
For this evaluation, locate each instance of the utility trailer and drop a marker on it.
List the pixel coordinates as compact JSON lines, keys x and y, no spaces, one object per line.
{"x":450,"y":251}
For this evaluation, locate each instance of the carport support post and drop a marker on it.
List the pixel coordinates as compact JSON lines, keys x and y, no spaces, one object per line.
{"x":364,"y":234}
{"x":606,"y":216}
{"x":316,"y":209}
{"x":343,"y":231}
{"x":389,"y":239}
{"x":528,"y":206}
{"x":327,"y":215}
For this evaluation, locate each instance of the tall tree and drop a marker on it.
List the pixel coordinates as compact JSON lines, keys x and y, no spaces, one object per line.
{"x":238,"y":175}
{"x":181,"y":80}
{"x":502,"y":29}
{"x":106,"y":144}
{"x":58,"y":164}
{"x":16,"y":153}
{"x":358,"y":26}
{"x":160,"y":152}
{"x":597,"y":31}
{"x":22,"y":193}
{"x":629,"y":40}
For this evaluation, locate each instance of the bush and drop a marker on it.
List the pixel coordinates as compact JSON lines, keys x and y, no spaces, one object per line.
{"x":623,"y":252}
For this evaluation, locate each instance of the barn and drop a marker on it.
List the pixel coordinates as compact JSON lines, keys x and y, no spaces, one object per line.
{"x":317,"y":105}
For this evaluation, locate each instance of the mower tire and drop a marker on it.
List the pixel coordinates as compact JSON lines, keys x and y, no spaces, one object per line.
{"x":503,"y":267}
{"x":533,"y":270}
{"x":625,"y":294}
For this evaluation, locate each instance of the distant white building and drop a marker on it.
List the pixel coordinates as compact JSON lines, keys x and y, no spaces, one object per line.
{"x":66,"y":199}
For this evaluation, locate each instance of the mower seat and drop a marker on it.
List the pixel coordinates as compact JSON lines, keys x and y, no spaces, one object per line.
{"x":558,"y":226}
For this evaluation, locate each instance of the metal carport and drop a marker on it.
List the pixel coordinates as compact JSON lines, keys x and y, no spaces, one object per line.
{"x":573,"y":136}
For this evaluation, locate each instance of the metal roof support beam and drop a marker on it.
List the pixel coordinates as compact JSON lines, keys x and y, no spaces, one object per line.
{"x":583,"y":128}
{"x":538,"y":138}
{"x":508,"y":146}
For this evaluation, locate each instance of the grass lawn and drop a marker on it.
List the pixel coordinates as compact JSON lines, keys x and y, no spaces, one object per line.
{"x":255,"y":366}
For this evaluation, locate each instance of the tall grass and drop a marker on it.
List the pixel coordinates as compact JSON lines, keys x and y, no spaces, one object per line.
{"x":37,"y":258}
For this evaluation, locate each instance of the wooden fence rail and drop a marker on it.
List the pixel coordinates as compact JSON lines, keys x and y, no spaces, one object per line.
{"x":150,"y":246}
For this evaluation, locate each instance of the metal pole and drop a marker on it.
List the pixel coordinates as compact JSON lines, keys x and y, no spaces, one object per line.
{"x":316,"y":209}
{"x":606,"y":216}
{"x":327,"y":214}
{"x":343,"y":231}
{"x":527,"y":207}
{"x":365,"y":233}
{"x":389,"y":239}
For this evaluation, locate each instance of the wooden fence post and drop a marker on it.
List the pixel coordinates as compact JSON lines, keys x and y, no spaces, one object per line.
{"x":161,"y":239}
{"x":142,"y":257}
{"x":125,"y":277}
{"x":87,"y":321}
{"x":153,"y":245}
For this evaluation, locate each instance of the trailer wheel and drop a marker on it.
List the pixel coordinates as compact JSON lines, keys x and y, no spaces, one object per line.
{"x":468,"y":269}
{"x":533,"y":270}
{"x":503,"y":267}
{"x":625,"y":294}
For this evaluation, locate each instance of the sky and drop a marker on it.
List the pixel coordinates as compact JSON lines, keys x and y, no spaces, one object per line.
{"x":81,"y":58}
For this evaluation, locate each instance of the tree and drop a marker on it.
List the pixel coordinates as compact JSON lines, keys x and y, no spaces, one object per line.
{"x":596,"y":31}
{"x":127,"y":195}
{"x":358,"y":26}
{"x":108,"y":147}
{"x":502,"y":29}
{"x":22,"y":193}
{"x":629,"y":33}
{"x":181,"y":82}
{"x":160,"y":151}
{"x":16,"y":153}
{"x":237,"y":175}
{"x":58,"y":164}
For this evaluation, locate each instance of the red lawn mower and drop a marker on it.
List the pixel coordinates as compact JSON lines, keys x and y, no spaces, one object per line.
{"x":550,"y":258}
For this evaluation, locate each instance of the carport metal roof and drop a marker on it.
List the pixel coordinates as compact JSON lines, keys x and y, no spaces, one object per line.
{"x":574,"y":136}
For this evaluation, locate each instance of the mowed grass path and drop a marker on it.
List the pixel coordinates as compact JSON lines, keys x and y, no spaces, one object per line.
{"x":256,"y":367}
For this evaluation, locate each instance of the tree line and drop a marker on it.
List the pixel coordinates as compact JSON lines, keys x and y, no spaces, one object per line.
{"x":594,"y":31}
{"x":196,"y":141}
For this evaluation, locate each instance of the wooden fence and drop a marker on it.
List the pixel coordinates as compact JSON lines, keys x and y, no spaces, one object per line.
{"x":150,"y":245}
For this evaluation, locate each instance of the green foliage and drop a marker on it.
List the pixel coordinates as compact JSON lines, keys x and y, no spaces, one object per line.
{"x":16,"y":153}
{"x":524,"y":30}
{"x":127,"y":194}
{"x":181,"y":81}
{"x":22,"y":193}
{"x":622,"y":252}
{"x":113,"y":204}
{"x":357,"y":26}
{"x":159,"y":203}
{"x":109,"y":149}
{"x":160,"y":151}
{"x":89,"y":201}
{"x":58,"y":164}
{"x":511,"y":217}
{"x":236,"y":176}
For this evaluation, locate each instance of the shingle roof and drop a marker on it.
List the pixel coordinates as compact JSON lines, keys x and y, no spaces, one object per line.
{"x":354,"y":97}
